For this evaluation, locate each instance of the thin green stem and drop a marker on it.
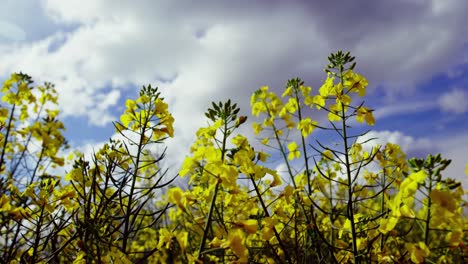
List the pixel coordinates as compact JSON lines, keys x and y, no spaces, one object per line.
{"x":296,"y":196}
{"x":10,"y":120}
{"x":428,"y":210}
{"x":350,"y":207}
{"x":332,"y":237}
{"x":382,"y":206}
{"x":128,"y":213}
{"x":213,"y":199}
{"x":304,"y":149}
{"x":38,"y":235}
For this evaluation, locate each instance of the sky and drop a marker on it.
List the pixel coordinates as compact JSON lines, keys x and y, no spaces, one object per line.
{"x":414,"y":54}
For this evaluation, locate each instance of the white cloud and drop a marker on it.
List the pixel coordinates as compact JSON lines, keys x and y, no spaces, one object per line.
{"x":11,"y":31}
{"x":408,"y":144}
{"x":242,"y":46}
{"x":454,"y":101}
{"x":75,"y":10}
{"x":402,"y":108}
{"x":105,"y":101}
{"x":454,"y":148}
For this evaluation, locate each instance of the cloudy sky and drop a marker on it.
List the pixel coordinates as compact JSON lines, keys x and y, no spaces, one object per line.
{"x":99,"y":53}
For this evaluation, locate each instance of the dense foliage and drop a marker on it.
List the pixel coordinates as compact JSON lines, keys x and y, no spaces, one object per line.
{"x":346,"y":201}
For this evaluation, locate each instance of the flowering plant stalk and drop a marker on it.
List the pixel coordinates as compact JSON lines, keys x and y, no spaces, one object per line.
{"x":304,"y":201}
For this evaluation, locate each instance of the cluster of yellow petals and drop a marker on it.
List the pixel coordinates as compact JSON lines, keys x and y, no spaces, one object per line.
{"x":234,"y":204}
{"x":142,"y":113}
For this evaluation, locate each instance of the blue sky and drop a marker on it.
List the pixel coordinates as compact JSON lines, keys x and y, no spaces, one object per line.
{"x":99,"y":53}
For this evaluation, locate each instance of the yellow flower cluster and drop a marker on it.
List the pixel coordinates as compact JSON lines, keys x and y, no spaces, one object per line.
{"x":147,"y":113}
{"x":336,"y":203}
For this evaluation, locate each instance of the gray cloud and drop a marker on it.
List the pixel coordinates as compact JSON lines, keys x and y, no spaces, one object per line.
{"x":214,"y":50}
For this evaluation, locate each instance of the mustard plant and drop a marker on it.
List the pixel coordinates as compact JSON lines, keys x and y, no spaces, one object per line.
{"x":33,"y":202}
{"x":118,"y":188}
{"x":344,"y":201}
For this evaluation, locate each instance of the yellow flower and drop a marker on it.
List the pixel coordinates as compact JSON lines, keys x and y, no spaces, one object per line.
{"x":418,"y":252}
{"x":327,"y":86}
{"x":175,"y":195}
{"x":276,"y":179}
{"x":257,"y":128}
{"x":229,"y":175}
{"x":291,"y":106}
{"x":327,"y":154}
{"x":187,"y":166}
{"x":126,"y":120}
{"x":65,"y":192}
{"x":168,"y":121}
{"x":131,"y":105}
{"x":262,"y":156}
{"x":264,"y":89}
{"x":361,"y":243}
{"x":240,"y":141}
{"x":258,"y":108}
{"x":165,"y":238}
{"x":300,"y":180}
{"x":344,"y":99}
{"x":293,"y":151}
{"x":143,"y":99}
{"x":306,"y":126}
{"x":289,"y":122}
{"x":355,"y":82}
{"x":19,"y":213}
{"x":388,"y":224}
{"x":80,"y":258}
{"x":160,"y":107}
{"x":319,"y":101}
{"x":288,"y":191}
{"x":364,"y":113}
{"x":454,"y":238}
{"x":182,"y":238}
{"x":346,"y":227}
{"x":268,"y":122}
{"x":4,"y":203}
{"x":409,"y":186}
{"x":249,"y":226}
{"x":267,"y":233}
{"x":287,"y":92}
{"x":305,"y":90}
{"x":216,"y":242}
{"x":444,"y":199}
{"x":308,"y":100}
{"x":236,"y":243}
{"x":335,"y":112}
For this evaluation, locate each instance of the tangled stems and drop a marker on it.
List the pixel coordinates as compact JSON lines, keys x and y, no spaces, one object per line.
{"x":283,"y":152}
{"x":30,"y":140}
{"x":128,"y":214}
{"x":224,"y":115}
{"x":235,"y":209}
{"x":268,"y":103}
{"x":267,"y":214}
